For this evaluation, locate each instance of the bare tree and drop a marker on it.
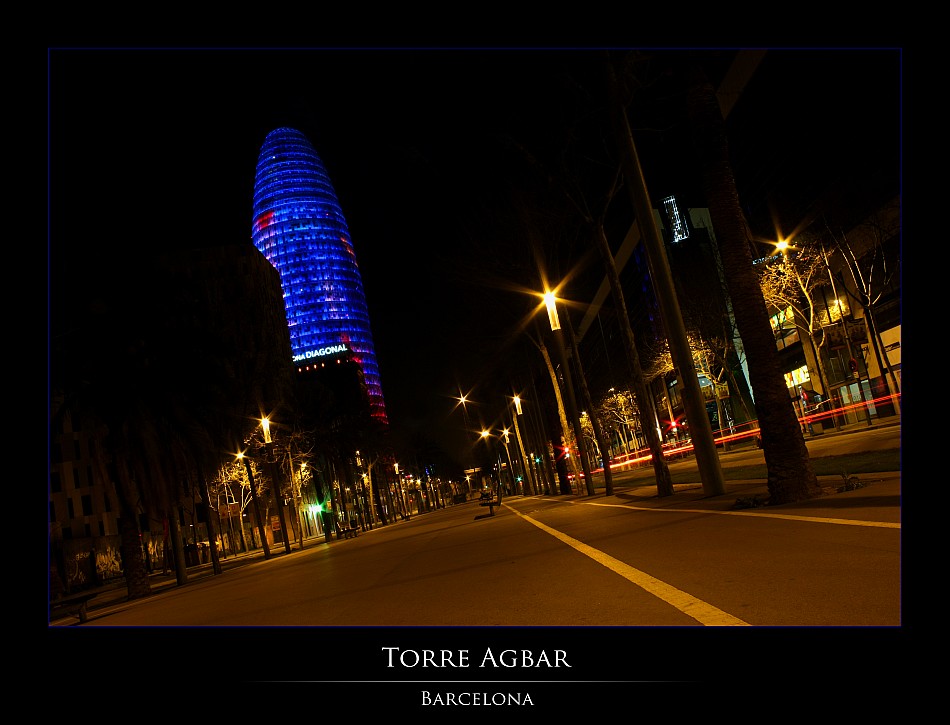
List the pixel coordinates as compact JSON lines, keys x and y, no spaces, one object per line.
{"x":873,"y":271}
{"x":618,"y":410}
{"x":789,"y":283}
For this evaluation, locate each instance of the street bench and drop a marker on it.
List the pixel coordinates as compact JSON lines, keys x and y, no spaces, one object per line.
{"x":346,"y":531}
{"x":490,"y":503}
{"x":74,"y":604}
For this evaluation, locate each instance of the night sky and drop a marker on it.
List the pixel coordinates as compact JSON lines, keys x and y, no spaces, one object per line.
{"x":157,"y":148}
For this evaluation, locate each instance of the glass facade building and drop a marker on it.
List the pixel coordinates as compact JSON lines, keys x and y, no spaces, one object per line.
{"x":299,"y":227}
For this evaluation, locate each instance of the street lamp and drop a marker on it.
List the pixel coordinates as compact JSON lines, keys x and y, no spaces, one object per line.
{"x":257,"y":506}
{"x":499,"y":489}
{"x":401,"y":493}
{"x":464,"y":400}
{"x":299,"y":484}
{"x":551,"y":302}
{"x":485,"y":435}
{"x":527,"y":471}
{"x":511,"y":468}
{"x":275,"y":481}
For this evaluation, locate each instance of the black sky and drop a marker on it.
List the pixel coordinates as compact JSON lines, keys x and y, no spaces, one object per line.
{"x":152,"y":148}
{"x":157,"y":148}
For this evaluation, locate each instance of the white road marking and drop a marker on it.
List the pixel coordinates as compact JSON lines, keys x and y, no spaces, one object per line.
{"x":704,"y":613}
{"x":757,"y":514}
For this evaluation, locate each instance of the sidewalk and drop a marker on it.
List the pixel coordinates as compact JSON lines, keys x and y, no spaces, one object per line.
{"x":116,"y":592}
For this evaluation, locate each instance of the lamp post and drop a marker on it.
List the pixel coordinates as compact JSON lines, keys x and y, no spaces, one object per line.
{"x":528,"y":470}
{"x":401,"y":493}
{"x":257,"y":506}
{"x":463,"y":401}
{"x":551,"y":303}
{"x":297,"y":482}
{"x":299,"y":502}
{"x":511,"y":468}
{"x":485,"y":436}
{"x":544,"y":471}
{"x":275,"y":482}
{"x":704,"y":447}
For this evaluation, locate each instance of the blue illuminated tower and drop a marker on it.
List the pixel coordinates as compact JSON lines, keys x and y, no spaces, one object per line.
{"x":299,"y":227}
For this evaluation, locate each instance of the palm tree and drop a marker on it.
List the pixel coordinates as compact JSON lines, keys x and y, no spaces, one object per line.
{"x":790,"y":474}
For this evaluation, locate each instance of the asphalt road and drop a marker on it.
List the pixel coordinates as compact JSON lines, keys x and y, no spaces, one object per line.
{"x":631,"y":559}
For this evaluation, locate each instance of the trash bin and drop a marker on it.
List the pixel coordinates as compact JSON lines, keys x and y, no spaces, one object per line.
{"x":191,"y":555}
{"x":817,"y":429}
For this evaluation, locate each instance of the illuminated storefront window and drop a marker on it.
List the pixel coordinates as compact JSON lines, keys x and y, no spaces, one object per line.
{"x":783,"y":325}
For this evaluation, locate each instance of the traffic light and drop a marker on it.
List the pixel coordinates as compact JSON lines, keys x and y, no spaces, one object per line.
{"x":853,"y":364}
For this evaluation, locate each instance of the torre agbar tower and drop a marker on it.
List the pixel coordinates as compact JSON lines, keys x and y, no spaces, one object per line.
{"x":299,"y":227}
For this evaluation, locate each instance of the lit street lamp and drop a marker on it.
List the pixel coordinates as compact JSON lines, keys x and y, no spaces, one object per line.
{"x":551,"y":303}
{"x":527,"y":471}
{"x":511,"y":468}
{"x":500,"y":488}
{"x":275,"y":482}
{"x":257,"y":506}
{"x":401,"y":493}
{"x":463,"y":401}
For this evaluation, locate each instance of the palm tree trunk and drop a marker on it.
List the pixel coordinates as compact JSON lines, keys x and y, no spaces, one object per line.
{"x":178,"y":549}
{"x":133,"y":561}
{"x":790,"y":474}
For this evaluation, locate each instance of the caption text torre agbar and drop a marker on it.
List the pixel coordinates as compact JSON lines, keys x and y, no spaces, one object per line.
{"x":299,"y":227}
